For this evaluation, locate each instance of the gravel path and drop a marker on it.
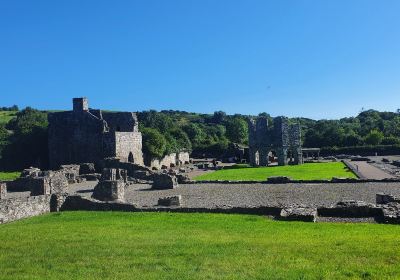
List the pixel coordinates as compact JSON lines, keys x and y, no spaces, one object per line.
{"x":242,"y":195}
{"x":368,"y":171}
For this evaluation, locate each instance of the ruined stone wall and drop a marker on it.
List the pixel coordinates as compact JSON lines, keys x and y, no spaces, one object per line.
{"x":121,"y":121}
{"x":84,"y":135}
{"x":127,"y":143}
{"x":13,"y":209}
{"x":172,"y":159}
{"x":284,"y":139}
{"x":74,"y":137}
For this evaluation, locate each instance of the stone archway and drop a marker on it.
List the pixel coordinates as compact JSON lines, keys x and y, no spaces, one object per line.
{"x":130,"y":158}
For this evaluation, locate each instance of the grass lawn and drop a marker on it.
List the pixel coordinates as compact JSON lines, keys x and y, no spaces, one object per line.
{"x":307,"y":171}
{"x":9,"y":176}
{"x":6,"y":116}
{"x":113,"y":245}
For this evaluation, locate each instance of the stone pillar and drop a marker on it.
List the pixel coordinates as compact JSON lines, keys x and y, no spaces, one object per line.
{"x":3,"y":190}
{"x":298,"y":156}
{"x":263,"y":157}
{"x":282,"y":156}
{"x":109,"y":191}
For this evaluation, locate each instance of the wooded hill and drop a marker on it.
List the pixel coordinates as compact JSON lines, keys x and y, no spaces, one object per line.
{"x":23,"y":134}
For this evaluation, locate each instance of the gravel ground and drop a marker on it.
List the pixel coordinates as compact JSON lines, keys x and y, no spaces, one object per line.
{"x":242,"y":195}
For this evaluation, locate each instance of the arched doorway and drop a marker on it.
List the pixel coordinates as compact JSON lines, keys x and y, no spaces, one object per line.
{"x":130,"y":158}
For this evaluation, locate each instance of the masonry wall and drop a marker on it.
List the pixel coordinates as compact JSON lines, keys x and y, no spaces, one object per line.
{"x":173,"y":158}
{"x":13,"y":209}
{"x":127,"y":143}
{"x":74,"y":137}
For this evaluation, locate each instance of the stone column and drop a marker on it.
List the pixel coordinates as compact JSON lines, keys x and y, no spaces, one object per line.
{"x":282,"y":156}
{"x":3,"y":190}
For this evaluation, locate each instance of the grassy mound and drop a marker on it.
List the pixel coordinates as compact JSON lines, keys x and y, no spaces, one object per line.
{"x":308,"y":171}
{"x":98,"y":245}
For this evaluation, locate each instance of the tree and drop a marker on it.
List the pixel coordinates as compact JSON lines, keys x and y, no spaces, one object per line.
{"x":154,"y":143}
{"x":219,"y":117}
{"x":237,"y":130}
{"x":28,"y":143}
{"x":374,"y":137}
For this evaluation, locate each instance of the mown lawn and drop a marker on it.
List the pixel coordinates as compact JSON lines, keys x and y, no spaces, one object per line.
{"x":308,"y":171}
{"x":112,"y":245}
{"x":9,"y":176}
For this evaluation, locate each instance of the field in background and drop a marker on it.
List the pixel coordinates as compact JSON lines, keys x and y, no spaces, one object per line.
{"x":307,"y":171}
{"x":6,"y":116}
{"x":98,"y":245}
{"x":9,"y":176}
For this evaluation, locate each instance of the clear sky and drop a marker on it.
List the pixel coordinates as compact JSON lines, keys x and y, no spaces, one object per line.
{"x":314,"y":58}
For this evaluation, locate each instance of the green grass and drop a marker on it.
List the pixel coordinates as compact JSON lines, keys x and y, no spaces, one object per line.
{"x":6,"y":116}
{"x":9,"y":176}
{"x":308,"y":171}
{"x":112,"y":245}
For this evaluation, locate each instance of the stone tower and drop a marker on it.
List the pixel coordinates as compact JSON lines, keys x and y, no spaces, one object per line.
{"x":284,"y":140}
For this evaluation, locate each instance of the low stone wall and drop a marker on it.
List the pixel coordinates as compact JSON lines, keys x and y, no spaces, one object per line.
{"x":13,"y":209}
{"x":174,"y":159}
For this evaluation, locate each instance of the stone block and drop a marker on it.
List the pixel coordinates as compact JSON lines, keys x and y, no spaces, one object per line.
{"x":298,"y":213}
{"x":164,"y":181}
{"x":183,"y":179}
{"x":382,"y":198}
{"x":86,"y":168}
{"x":279,"y":179}
{"x":170,"y":201}
{"x":350,"y":209}
{"x":30,"y":172}
{"x":39,"y":186}
{"x":109,"y":191}
{"x":391,"y":213}
{"x":3,"y":190}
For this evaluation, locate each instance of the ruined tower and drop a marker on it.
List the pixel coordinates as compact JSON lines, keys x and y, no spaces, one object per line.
{"x":284,"y":141}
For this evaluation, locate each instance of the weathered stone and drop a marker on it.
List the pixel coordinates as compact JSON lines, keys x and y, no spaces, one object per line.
{"x":87,"y":135}
{"x":3,"y":190}
{"x":343,"y":180}
{"x":30,"y":172}
{"x":284,"y":140}
{"x":391,"y":213}
{"x":13,"y":209}
{"x":350,"y":208}
{"x":40,"y":186}
{"x":57,"y":201}
{"x":170,"y":201}
{"x":183,"y":179}
{"x":382,"y":198}
{"x":86,"y":168}
{"x":299,"y":213}
{"x":109,"y":191}
{"x":278,"y":179}
{"x":164,"y":181}
{"x":111,"y":174}
{"x":92,"y":177}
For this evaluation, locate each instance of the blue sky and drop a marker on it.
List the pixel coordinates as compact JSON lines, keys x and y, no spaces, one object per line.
{"x":317,"y":59}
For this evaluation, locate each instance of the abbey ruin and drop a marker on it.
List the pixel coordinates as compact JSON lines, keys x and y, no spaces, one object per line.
{"x":86,"y":135}
{"x":283,"y":141}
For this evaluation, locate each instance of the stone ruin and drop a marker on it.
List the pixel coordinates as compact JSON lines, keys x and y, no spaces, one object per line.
{"x":111,"y":186}
{"x":283,"y":140}
{"x":87,"y":135}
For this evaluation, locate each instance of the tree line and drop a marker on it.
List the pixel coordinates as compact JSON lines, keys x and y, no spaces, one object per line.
{"x":23,"y":140}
